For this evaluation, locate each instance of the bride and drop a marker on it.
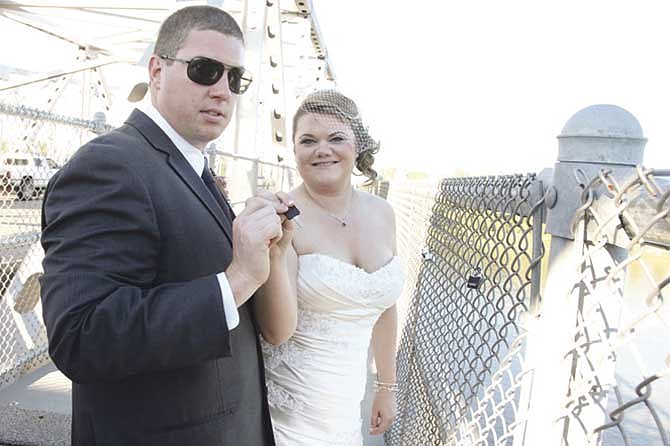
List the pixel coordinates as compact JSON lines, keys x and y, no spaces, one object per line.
{"x":332,"y":289}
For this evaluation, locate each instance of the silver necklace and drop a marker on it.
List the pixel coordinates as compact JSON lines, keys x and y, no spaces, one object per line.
{"x":341,"y":220}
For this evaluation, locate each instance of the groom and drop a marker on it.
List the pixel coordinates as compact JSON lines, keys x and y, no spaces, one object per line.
{"x":147,"y":284}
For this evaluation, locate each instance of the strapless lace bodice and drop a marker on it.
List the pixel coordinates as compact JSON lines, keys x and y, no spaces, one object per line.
{"x":316,"y":379}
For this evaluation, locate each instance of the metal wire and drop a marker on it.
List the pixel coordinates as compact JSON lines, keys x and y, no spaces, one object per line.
{"x":632,"y":344}
{"x":42,"y":116}
{"x":42,"y":141}
{"x":461,"y":354}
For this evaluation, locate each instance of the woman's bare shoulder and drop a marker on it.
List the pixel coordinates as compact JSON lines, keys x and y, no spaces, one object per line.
{"x":376,"y":204}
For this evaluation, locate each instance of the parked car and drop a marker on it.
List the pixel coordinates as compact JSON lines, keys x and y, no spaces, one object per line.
{"x":25,"y":173}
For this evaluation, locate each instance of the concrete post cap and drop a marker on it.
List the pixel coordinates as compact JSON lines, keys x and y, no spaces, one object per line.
{"x":603,"y":134}
{"x":603,"y":120}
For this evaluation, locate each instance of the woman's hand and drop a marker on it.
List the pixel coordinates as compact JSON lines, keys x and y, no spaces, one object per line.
{"x":383,"y":412}
{"x":279,"y":245}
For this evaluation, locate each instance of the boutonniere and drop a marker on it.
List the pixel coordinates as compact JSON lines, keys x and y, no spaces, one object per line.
{"x":221,"y":184}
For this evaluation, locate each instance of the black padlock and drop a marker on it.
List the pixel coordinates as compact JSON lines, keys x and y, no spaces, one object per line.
{"x":293,"y":211}
{"x":475,"y":279}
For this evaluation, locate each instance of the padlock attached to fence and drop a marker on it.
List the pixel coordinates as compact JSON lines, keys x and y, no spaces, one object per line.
{"x":475,"y":279}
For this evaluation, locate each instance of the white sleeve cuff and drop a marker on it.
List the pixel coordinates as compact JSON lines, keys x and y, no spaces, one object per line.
{"x":229,"y":306}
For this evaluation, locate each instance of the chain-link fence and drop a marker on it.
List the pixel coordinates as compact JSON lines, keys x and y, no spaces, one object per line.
{"x":242,"y":176}
{"x":461,"y":346}
{"x":31,"y":155}
{"x":619,"y":388}
{"x":379,"y":187}
{"x":412,"y":201}
{"x":466,"y":374}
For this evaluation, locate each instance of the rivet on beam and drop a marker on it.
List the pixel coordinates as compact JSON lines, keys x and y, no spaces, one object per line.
{"x":270,"y":33}
{"x":278,"y":136}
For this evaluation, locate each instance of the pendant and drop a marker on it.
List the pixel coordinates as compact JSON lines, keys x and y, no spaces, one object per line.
{"x":342,"y":221}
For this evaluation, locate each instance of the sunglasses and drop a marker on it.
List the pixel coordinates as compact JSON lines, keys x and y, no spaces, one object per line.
{"x":206,"y":71}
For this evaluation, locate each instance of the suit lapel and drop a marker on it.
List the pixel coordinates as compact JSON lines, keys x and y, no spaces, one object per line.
{"x":184,"y":170}
{"x":160,"y":141}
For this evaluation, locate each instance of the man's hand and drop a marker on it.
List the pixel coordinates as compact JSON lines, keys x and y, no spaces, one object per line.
{"x":254,"y":229}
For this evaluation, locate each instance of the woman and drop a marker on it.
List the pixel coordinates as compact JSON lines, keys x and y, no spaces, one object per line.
{"x":332,"y":289}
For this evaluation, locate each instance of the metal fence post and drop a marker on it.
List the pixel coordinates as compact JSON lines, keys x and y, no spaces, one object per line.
{"x":254,"y":177}
{"x":595,"y":138}
{"x":210,"y":154}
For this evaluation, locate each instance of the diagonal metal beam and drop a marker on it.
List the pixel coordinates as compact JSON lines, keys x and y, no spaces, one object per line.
{"x":74,"y":69}
{"x":121,"y":16}
{"x":306,"y":7}
{"x":49,"y":32}
{"x":93,"y":9}
{"x":74,"y":4}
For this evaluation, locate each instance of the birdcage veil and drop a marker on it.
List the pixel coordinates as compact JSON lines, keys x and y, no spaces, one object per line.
{"x":335,"y":104}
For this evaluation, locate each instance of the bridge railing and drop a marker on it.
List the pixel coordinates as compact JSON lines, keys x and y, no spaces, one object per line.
{"x":34,"y":143}
{"x":478,"y":274}
{"x":539,"y":314}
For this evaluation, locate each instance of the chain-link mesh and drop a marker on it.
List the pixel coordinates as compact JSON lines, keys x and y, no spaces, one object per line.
{"x":242,"y":176}
{"x":23,"y":342}
{"x":621,"y":353}
{"x":412,"y":202}
{"x":379,"y":187}
{"x":462,"y":347}
{"x":34,"y":144}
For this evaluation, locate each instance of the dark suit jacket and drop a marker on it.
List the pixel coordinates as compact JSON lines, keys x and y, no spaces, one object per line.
{"x":133,"y":309}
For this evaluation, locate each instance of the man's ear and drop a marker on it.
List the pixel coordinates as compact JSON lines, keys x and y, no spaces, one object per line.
{"x":155,"y":68}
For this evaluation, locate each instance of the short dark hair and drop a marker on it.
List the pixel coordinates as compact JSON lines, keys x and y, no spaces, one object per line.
{"x":179,"y":24}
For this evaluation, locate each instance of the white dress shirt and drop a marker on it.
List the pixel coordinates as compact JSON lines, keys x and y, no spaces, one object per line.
{"x":196,"y":159}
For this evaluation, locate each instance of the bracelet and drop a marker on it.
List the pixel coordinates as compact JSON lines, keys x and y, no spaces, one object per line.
{"x":381,"y":386}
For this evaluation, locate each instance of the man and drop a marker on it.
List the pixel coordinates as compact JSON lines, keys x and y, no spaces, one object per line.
{"x":147,"y":282}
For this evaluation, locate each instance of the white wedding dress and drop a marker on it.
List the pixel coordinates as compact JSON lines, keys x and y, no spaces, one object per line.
{"x":316,"y":379}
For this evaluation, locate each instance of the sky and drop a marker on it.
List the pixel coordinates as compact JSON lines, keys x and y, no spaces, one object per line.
{"x":480,"y":87}
{"x":486,"y":86}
